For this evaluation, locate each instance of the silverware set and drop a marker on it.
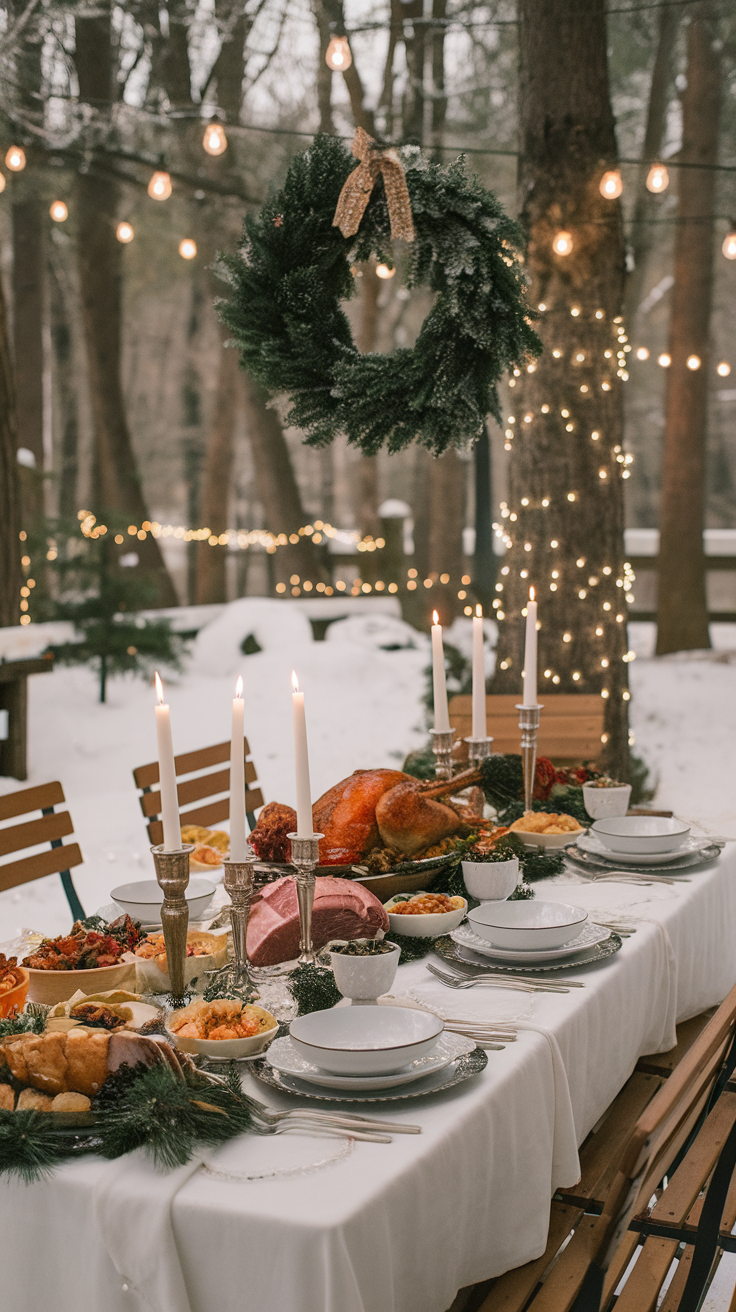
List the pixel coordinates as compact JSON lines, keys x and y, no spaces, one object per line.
{"x":627,"y":877}
{"x":341,"y":1125}
{"x":454,"y":980}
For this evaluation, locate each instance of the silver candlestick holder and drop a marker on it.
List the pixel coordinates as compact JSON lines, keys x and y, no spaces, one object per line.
{"x":478,"y":750}
{"x":239,"y":883}
{"x":442,"y":740}
{"x":305,"y":857}
{"x":172,"y":874}
{"x":529,"y":725}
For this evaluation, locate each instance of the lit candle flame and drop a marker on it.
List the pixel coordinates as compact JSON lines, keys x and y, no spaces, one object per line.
{"x":159,"y":689}
{"x":531,"y":594}
{"x":478,"y":609}
{"x":294,"y":681}
{"x":435,"y":617}
{"x":239,"y":686}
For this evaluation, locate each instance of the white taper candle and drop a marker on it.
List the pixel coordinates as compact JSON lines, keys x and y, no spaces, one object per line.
{"x":530,"y":653}
{"x":167,"y":773}
{"x":480,"y":728}
{"x":441,"y":713}
{"x":304,"y":823}
{"x":238,"y":842}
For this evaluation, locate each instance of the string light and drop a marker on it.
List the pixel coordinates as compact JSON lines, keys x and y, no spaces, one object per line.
{"x":214,"y":140}
{"x":187,"y":248}
{"x":16,"y":162}
{"x":124,"y":233}
{"x":642,"y":353}
{"x":59,"y":211}
{"x":562,"y":244}
{"x":2,"y":183}
{"x":693,"y":362}
{"x":611,"y":185}
{"x":723,"y":369}
{"x":338,"y":56}
{"x":728,"y":247}
{"x":664,"y":360}
{"x":384,"y":271}
{"x":658,"y":179}
{"x":159,"y":188}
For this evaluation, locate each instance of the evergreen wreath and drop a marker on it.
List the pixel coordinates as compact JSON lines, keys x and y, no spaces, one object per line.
{"x":294,"y":268}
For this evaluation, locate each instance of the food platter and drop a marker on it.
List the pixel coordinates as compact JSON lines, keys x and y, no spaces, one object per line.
{"x":408,"y":877}
{"x":449,"y":950}
{"x":691,"y":861}
{"x":457,"y":1072}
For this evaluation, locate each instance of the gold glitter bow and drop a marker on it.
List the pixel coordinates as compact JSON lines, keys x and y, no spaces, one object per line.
{"x":357,"y":188}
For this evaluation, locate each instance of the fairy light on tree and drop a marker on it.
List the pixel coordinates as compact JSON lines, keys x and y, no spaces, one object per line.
{"x":384,"y":271}
{"x":658,"y":179}
{"x":338,"y":56}
{"x":723,"y":369}
{"x":124,"y":233}
{"x":15,"y":159}
{"x":563,"y":243}
{"x":611,"y":185}
{"x":187,"y":248}
{"x":214,"y":140}
{"x":729,"y":243}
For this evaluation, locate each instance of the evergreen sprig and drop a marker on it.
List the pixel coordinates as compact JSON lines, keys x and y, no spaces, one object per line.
{"x":294,"y":269}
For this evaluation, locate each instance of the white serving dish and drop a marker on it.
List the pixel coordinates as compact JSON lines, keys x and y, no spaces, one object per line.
{"x":589,"y":843}
{"x":284,"y":1057}
{"x":365,"y":1040}
{"x":227,"y":1049}
{"x":589,"y":936}
{"x":142,"y":900}
{"x":363,"y":979}
{"x":423,"y":926}
{"x":530,"y":839}
{"x":527,"y":926}
{"x":641,"y":834}
{"x":603,"y":803}
{"x":491,"y":881}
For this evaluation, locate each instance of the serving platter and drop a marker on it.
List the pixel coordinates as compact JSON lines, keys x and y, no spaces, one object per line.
{"x":466,"y":1066}
{"x":449,"y":950}
{"x":592,"y":861}
{"x":589,"y":936}
{"x":408,"y":876}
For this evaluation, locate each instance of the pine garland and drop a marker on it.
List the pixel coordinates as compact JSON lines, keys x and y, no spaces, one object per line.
{"x":294,"y":268}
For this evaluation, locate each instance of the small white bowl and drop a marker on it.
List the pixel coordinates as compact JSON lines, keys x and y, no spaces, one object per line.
{"x":143,"y":900}
{"x":363,"y":979}
{"x":531,"y":839}
{"x":491,"y":881}
{"x":365,"y":1040}
{"x":605,"y":803}
{"x":641,"y":834}
{"x":228,"y":1049}
{"x":527,"y":925}
{"x":423,"y":926}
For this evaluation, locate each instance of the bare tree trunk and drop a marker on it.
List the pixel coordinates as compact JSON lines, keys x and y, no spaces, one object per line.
{"x":11,"y":575}
{"x":366,"y":483}
{"x":642,"y":231}
{"x":439,"y":93}
{"x":484,"y":560}
{"x":211,"y":560}
{"x":386,"y":100}
{"x":566,"y":493}
{"x":65,"y":390}
{"x":362,"y":115}
{"x":413,"y":109}
{"x":324,"y":73}
{"x":447,"y":477}
{"x":28,"y":314}
{"x":682,"y":608}
{"x":174,"y":71}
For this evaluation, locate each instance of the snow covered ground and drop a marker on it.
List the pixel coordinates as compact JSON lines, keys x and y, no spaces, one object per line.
{"x":363,"y":707}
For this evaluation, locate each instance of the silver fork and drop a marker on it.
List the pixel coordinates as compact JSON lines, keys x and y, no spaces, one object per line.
{"x":465,"y":968}
{"x":270,"y":1116}
{"x":334,"y":1131}
{"x":454,"y":982}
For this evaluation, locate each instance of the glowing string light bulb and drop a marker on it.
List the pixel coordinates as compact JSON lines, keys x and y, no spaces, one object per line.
{"x":384,"y":271}
{"x":338,"y":56}
{"x":159,"y":188}
{"x":187,"y":248}
{"x":658,"y":179}
{"x":664,"y":360}
{"x":124,"y":233}
{"x":59,"y":211}
{"x":562,"y":244}
{"x":642,"y":353}
{"x":723,"y":369}
{"x":16,"y":159}
{"x":693,"y":362}
{"x":728,"y":247}
{"x":611,"y":185}
{"x":2,"y":182}
{"x":214,"y":140}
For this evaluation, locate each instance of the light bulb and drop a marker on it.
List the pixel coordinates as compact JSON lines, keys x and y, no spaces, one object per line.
{"x":338,"y":56}
{"x":562,"y":244}
{"x":642,"y":353}
{"x":187,"y":248}
{"x":214,"y":140}
{"x":16,"y":159}
{"x":693,"y":362}
{"x":728,"y":247}
{"x":59,"y":211}
{"x":658,"y":179}
{"x":384,"y":271}
{"x":2,"y":182}
{"x":611,"y":185}
{"x":723,"y":369}
{"x":159,"y":188}
{"x":665,"y":360}
{"x":124,"y":232}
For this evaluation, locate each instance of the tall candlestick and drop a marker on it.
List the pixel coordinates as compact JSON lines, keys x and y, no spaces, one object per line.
{"x":304,"y":823}
{"x":479,"y":677}
{"x":530,"y":653}
{"x":441,"y":713}
{"x":238,"y":845}
{"x":167,"y":774}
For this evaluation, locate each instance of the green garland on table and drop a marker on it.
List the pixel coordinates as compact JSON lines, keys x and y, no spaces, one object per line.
{"x":313,"y":988}
{"x":295,"y":268}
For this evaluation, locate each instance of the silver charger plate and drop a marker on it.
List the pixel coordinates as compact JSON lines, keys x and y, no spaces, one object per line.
{"x":452,"y":951}
{"x":591,"y":843}
{"x":589,"y":936}
{"x":283,"y":1057}
{"x":592,"y":861}
{"x":470,"y":1064}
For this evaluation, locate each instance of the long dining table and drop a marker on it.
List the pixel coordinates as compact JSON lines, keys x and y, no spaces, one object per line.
{"x":308,"y":1224}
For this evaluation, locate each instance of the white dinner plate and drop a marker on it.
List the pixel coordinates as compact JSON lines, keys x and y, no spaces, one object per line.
{"x":283,"y":1056}
{"x":590,"y":843}
{"x":589,"y":936}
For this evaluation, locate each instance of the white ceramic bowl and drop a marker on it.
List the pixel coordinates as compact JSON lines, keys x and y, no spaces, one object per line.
{"x":228,"y":1049}
{"x":365,"y":1040}
{"x":602,"y":803}
{"x":641,"y":834}
{"x":142,"y":900}
{"x":530,"y":839}
{"x":527,"y":925}
{"x":491,"y":881}
{"x":365,"y":978}
{"x":423,"y":926}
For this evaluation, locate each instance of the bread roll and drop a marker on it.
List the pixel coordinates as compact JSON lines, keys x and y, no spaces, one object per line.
{"x":30,"y":1100}
{"x":70,"y":1102}
{"x":7,"y":1098}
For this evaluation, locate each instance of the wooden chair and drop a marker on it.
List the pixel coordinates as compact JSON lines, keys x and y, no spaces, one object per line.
{"x":51,"y":827}
{"x":570,"y":728}
{"x":681,"y":1153}
{"x":201,"y":781}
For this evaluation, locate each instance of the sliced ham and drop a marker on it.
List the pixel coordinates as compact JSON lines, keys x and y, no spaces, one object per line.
{"x":342,"y":909}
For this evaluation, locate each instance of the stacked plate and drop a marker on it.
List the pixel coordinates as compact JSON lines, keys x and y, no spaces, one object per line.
{"x":634,"y":841}
{"x":529,"y":933}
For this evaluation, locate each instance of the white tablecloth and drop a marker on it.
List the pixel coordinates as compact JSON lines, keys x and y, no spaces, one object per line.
{"x":388,"y":1228}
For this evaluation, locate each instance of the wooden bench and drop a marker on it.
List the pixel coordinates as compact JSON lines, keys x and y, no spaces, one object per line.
{"x":202,"y":782}
{"x":52,"y":827}
{"x":14,"y":700}
{"x":570,"y":727}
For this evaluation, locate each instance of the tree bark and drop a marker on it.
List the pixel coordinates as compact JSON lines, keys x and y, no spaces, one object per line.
{"x":565,"y":483}
{"x":447,"y":475}
{"x":324,"y":73}
{"x":682,"y":607}
{"x":363,"y":116}
{"x":28,"y":314}
{"x":62,"y":339}
{"x":413,"y":107}
{"x":11,"y":575}
{"x":484,"y":560}
{"x":211,"y":560}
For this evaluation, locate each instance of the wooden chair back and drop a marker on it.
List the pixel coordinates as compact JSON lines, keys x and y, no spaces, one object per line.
{"x":205,"y":782}
{"x":50,"y":827}
{"x":570,"y":726}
